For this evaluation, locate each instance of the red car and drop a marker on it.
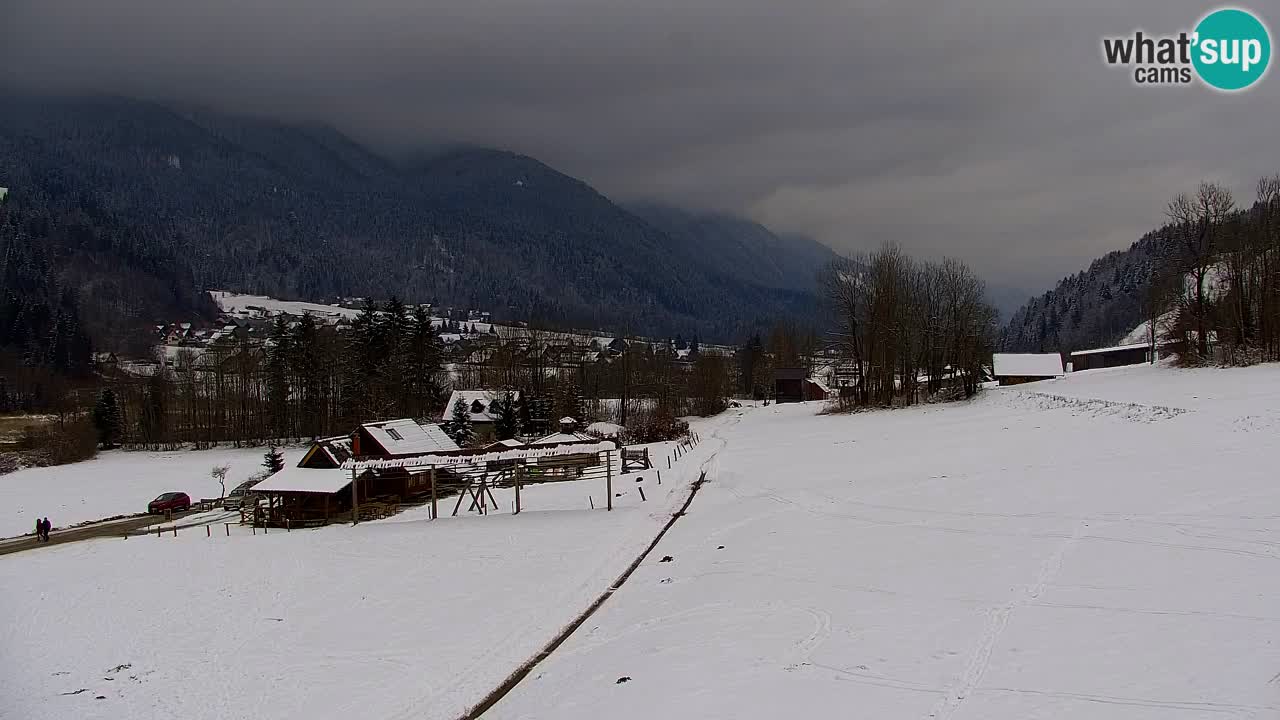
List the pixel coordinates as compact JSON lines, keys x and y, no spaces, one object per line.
{"x":175,"y":501}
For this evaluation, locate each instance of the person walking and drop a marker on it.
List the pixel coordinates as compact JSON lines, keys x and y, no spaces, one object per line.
{"x":39,"y":530}
{"x":47,"y":527}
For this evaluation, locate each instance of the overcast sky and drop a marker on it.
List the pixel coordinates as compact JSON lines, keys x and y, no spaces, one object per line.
{"x":990,"y":131}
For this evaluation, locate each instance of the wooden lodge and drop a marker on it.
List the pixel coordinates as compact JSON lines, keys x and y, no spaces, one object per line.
{"x":317,"y":489}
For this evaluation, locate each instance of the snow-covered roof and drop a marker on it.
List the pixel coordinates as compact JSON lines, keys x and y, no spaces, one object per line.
{"x":562,"y":437}
{"x":1027,"y":365}
{"x":297,"y":479}
{"x":607,"y":429}
{"x":407,"y":437}
{"x":528,"y":453}
{"x":821,"y":385}
{"x":337,"y":448}
{"x":1114,"y":348}
{"x":508,"y":443}
{"x":478,"y":404}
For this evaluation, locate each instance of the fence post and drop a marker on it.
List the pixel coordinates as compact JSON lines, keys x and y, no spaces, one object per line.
{"x":175,"y":531}
{"x":228,"y":527}
{"x":355,"y":500}
{"x":668,"y":462}
{"x":642,"y":497}
{"x":608,"y":477}
{"x":519,"y":473}
{"x":435,"y":513}
{"x":207,"y":531}
{"x":659,"y":477}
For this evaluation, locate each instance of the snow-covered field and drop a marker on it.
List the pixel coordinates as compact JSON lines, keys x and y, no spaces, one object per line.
{"x":1017,"y":557}
{"x":1101,"y":546}
{"x":118,"y":483}
{"x":400,"y":618}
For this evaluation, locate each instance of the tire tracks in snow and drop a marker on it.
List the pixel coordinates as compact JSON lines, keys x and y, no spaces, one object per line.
{"x":526,"y":668}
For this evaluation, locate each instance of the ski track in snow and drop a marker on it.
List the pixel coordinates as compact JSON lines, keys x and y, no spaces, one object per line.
{"x":997,"y":621}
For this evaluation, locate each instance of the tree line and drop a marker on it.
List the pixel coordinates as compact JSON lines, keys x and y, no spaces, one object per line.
{"x":1216,"y":285}
{"x":312,"y":380}
{"x":907,"y":329}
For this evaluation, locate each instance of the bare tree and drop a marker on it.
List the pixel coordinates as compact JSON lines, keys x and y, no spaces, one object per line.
{"x":1197,"y":225}
{"x":219,"y":473}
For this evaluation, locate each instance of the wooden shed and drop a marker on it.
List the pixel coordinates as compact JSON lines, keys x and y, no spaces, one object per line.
{"x":1117,"y":356}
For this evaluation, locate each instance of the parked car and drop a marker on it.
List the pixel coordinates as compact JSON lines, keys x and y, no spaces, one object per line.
{"x":175,"y":501}
{"x":235,"y":499}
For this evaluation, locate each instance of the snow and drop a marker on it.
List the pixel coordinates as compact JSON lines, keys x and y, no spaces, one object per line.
{"x":408,"y":436}
{"x":400,"y":618}
{"x":300,"y":479}
{"x":118,"y":482}
{"x":563,"y":437}
{"x":1114,"y":348}
{"x":236,"y":303}
{"x":604,"y":429}
{"x":1104,"y":550}
{"x":1027,"y":365}
{"x":1088,"y":556}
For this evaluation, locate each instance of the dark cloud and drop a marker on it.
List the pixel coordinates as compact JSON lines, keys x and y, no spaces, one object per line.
{"x":988,"y":130}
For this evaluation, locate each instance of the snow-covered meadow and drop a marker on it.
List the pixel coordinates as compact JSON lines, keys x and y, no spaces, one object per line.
{"x":1100,"y":546}
{"x":404,"y":617}
{"x":1077,"y":548}
{"x":118,"y":482}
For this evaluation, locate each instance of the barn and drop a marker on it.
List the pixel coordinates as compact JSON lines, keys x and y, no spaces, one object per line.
{"x":1018,"y":368}
{"x":1117,"y":356}
{"x":794,"y":385}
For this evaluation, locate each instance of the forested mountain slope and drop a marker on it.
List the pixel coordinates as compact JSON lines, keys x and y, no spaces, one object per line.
{"x":303,"y":212}
{"x":1093,"y":308}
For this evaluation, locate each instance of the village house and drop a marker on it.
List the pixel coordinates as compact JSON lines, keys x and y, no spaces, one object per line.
{"x":479,"y":404}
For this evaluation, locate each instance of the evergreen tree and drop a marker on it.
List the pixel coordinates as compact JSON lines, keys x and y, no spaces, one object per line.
{"x":460,"y":424}
{"x":273,"y":460}
{"x":359,"y":368}
{"x":106,"y":418}
{"x":506,"y":416}
{"x":278,"y":356}
{"x":391,"y":358}
{"x":306,"y":365}
{"x":570,"y":403}
{"x":422,"y":366}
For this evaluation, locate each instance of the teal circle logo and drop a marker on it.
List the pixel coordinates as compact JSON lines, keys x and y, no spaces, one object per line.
{"x":1232,"y":49}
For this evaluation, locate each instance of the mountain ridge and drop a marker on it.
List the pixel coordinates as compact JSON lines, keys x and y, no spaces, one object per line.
{"x":266,"y":207}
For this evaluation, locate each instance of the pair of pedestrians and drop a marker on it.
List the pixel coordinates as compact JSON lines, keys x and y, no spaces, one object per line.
{"x":43,"y":526}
